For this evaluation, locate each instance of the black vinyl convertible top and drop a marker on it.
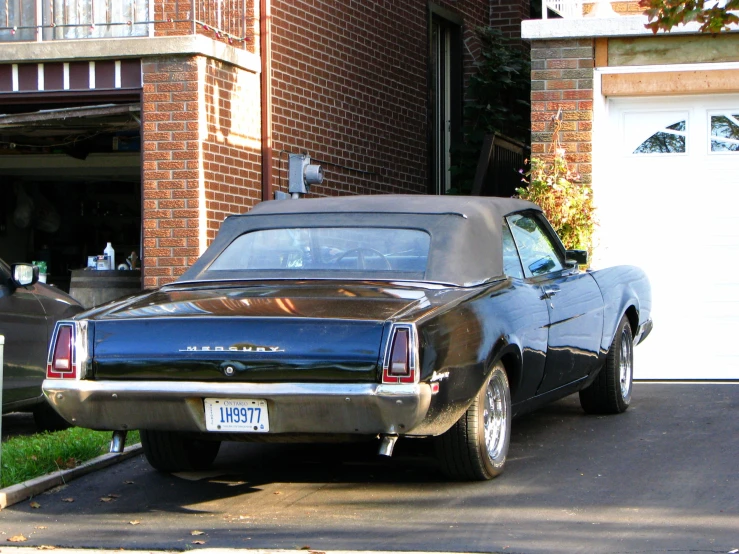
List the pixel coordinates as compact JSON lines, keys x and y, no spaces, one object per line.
{"x":465,"y":230}
{"x":470,"y":206}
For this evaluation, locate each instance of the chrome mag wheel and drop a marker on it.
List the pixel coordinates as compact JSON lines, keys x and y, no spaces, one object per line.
{"x":475,"y":448}
{"x":626,"y":364}
{"x":495,"y":417}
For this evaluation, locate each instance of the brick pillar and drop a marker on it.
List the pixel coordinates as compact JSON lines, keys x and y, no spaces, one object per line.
{"x":232,"y":157}
{"x":562,"y":77}
{"x":171,"y":184}
{"x":202,"y":157}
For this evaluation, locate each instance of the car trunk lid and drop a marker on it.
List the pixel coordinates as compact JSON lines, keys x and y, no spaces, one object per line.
{"x":254,"y":333}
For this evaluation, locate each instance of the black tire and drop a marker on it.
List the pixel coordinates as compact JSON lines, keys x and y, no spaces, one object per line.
{"x":610,"y":393}
{"x":466,"y":451}
{"x":47,"y":419}
{"x":170,"y":451}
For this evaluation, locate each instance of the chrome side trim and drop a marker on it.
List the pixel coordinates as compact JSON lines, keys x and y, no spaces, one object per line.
{"x":81,"y":344}
{"x":643,"y":331}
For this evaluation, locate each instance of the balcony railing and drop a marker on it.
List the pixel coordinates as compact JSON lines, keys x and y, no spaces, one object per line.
{"x":575,"y":9}
{"x":46,"y":20}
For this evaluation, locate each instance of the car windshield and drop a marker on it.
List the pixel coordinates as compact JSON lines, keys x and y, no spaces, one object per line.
{"x":328,"y":250}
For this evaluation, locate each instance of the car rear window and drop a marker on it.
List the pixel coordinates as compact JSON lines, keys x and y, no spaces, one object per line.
{"x":328,"y":249}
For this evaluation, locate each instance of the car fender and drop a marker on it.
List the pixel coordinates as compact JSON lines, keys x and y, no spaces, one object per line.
{"x":468,"y":345}
{"x":508,"y":351}
{"x":623,"y":287}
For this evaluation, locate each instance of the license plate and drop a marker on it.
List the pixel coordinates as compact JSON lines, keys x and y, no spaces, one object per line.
{"x":245,"y":415}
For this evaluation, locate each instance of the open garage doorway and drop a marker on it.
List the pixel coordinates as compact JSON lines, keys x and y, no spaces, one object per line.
{"x":70,"y":182}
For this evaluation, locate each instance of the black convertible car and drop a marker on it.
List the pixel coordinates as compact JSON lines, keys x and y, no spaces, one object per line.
{"x":357,"y":317}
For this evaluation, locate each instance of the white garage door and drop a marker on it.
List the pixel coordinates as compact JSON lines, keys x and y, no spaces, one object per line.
{"x":668,"y":201}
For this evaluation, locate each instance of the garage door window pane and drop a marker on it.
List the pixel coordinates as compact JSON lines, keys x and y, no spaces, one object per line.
{"x":670,"y":140}
{"x":725,"y":133}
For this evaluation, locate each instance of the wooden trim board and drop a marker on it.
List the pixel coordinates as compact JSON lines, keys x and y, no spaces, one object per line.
{"x":670,"y":82}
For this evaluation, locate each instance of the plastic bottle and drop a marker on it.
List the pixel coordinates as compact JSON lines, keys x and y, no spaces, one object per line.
{"x":111,"y":256}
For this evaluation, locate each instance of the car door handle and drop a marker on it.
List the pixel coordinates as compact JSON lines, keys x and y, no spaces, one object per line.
{"x":549,"y":292}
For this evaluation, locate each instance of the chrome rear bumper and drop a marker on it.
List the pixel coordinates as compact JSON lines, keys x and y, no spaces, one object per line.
{"x":293,"y":408}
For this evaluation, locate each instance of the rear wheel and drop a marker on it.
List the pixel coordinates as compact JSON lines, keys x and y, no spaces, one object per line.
{"x":610,"y":393}
{"x":475,"y":448}
{"x":172,"y":451}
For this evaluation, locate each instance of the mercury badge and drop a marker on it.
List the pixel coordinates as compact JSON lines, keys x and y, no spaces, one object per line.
{"x":267,"y":349}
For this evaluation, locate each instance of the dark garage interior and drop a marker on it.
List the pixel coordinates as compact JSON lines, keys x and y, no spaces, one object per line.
{"x":70,"y":178}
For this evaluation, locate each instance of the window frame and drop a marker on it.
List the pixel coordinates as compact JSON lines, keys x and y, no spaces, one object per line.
{"x":445,"y":94}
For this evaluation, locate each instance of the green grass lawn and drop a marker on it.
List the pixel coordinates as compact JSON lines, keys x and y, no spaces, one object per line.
{"x":26,"y":457}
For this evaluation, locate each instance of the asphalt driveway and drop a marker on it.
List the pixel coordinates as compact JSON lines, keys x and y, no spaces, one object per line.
{"x":663,"y":477}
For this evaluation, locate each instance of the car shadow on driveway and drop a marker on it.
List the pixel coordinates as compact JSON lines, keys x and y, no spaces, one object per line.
{"x":660,"y":477}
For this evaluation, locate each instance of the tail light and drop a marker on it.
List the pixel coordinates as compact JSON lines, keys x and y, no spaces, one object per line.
{"x":65,"y":353}
{"x":400,"y":359}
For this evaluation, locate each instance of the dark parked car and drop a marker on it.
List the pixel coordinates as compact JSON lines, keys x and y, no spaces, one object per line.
{"x":28,"y":313}
{"x":381,"y":317}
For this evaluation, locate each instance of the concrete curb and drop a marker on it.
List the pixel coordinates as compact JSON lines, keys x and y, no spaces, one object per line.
{"x":17,"y":493}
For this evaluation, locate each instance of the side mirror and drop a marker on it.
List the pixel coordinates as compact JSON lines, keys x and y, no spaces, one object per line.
{"x":579,"y":256}
{"x":25,"y":274}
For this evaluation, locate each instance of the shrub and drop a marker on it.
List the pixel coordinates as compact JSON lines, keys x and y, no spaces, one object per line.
{"x":567,"y":203}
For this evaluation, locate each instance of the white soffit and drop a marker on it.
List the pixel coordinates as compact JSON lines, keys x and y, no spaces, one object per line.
{"x":596,"y":27}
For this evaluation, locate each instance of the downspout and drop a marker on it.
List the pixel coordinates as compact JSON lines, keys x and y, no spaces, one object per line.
{"x":265,"y":45}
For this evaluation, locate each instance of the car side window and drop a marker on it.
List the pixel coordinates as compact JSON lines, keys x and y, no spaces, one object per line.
{"x":511,"y":261}
{"x":538,"y":255}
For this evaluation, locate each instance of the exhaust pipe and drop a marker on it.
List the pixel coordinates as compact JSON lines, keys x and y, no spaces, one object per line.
{"x":387,"y":443}
{"x":118,"y":442}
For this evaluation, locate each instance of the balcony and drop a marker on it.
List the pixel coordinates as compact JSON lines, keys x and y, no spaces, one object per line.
{"x":577,"y":9}
{"x":230,"y":21}
{"x":573,"y":19}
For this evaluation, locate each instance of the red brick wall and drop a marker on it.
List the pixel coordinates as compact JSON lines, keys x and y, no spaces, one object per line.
{"x":562,"y":77}
{"x":228,"y":24}
{"x":232,"y":155}
{"x":621,"y":8}
{"x":508,"y":14}
{"x":170,"y":167}
{"x":350,"y":88}
{"x":173,"y":18}
{"x":200,"y":136}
